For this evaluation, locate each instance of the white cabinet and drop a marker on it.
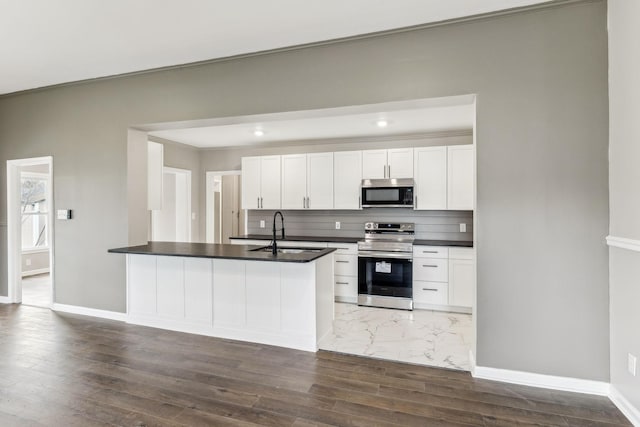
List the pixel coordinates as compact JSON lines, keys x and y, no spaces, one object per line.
{"x":345,"y":272}
{"x":443,"y":278}
{"x":461,"y":277}
{"x":307,"y":181}
{"x":460,"y":177}
{"x":392,"y":163}
{"x":155,"y":169}
{"x":430,"y":174}
{"x":347,"y":178}
{"x":261,"y":182}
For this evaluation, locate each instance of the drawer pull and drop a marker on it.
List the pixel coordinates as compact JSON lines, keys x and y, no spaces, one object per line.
{"x":430,"y":289}
{"x":429,"y":265}
{"x":429,"y":252}
{"x":342,"y":283}
{"x":345,"y":262}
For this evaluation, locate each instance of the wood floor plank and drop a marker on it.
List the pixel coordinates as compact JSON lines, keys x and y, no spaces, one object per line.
{"x":71,"y":370}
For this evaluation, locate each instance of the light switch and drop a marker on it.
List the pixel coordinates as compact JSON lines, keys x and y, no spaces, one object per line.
{"x":64,"y":214}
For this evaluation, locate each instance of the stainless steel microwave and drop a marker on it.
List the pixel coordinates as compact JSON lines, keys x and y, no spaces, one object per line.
{"x":390,"y":193}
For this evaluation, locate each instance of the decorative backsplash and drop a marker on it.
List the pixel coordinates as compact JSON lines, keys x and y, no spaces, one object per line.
{"x":431,"y":225}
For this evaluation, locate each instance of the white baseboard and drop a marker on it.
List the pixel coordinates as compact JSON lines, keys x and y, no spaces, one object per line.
{"x":472,"y":363}
{"x":575,"y":385}
{"x":625,"y":406}
{"x":93,"y":312}
{"x":624,"y":243}
{"x":5,"y":300}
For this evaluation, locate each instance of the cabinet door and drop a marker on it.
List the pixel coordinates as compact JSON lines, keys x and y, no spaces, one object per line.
{"x":400,"y":163}
{"x":460,"y":173}
{"x":374,"y":164}
{"x":294,"y":181}
{"x":461,"y":282}
{"x":320,"y":181}
{"x":141,"y":284}
{"x":430,"y":177}
{"x":263,"y":295}
{"x":270,"y":182}
{"x":198,"y":279}
{"x":347,"y":177}
{"x":229,"y":293}
{"x":250,"y":182}
{"x":170,"y":286}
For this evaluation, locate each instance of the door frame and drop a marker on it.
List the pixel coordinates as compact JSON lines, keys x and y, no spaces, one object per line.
{"x":209,"y":223}
{"x":14,"y":227}
{"x":154,"y":213}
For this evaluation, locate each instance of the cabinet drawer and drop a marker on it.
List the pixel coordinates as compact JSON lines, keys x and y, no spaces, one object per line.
{"x":431,"y":251}
{"x":431,"y":269}
{"x":345,"y":265}
{"x":344,"y":248}
{"x":430,"y":292}
{"x":346,"y":286}
{"x":461,"y":253}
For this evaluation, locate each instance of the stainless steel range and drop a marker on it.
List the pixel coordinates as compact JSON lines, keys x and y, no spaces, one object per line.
{"x":385,"y":265}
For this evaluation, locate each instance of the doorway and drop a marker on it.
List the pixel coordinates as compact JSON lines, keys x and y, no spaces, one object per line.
{"x":225,"y":218}
{"x":30,"y":231}
{"x":172,"y":223}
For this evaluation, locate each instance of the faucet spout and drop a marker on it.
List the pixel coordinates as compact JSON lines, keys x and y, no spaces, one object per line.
{"x":274,"y":249}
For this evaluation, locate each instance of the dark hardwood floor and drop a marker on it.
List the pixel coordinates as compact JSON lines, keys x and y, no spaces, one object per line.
{"x":66,"y":370}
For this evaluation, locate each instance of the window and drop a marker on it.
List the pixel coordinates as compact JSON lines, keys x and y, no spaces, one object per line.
{"x":34,"y":211}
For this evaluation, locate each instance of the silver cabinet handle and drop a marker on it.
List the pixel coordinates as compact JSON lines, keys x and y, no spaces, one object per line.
{"x":307,"y":203}
{"x":304,"y":202}
{"x":430,"y":289}
{"x":258,"y":202}
{"x":429,"y":265}
{"x":261,"y":203}
{"x":429,"y":252}
{"x":342,"y":283}
{"x":384,"y":170}
{"x":389,"y":169}
{"x":344,"y":262}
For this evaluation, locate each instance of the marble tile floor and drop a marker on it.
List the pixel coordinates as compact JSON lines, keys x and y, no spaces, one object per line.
{"x":422,"y":337}
{"x":36,"y":290}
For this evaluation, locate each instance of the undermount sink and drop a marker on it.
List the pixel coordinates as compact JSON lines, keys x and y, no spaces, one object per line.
{"x":286,"y":250}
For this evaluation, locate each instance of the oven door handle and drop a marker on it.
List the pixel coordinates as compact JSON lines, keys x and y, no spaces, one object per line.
{"x":395,"y":255}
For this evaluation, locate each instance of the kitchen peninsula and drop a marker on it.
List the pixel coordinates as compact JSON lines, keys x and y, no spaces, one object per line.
{"x":241,"y":292}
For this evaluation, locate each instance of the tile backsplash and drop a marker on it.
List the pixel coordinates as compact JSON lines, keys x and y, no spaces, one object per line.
{"x":432,"y":225}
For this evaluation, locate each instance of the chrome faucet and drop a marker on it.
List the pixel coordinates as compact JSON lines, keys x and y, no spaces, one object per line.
{"x":274,"y":249}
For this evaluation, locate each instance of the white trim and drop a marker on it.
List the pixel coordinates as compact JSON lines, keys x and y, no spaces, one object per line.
{"x":472,"y":363}
{"x":625,"y":406}
{"x":35,"y":250}
{"x":5,"y":300}
{"x":624,"y":243}
{"x":93,"y":312}
{"x":553,"y":382}
{"x":35,"y":272}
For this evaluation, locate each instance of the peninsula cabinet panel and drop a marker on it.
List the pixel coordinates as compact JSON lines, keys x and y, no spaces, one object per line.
{"x":296,"y":298}
{"x":430,"y":177}
{"x":198,"y":278}
{"x":142,"y":284}
{"x":263,"y":295}
{"x":170,"y":285}
{"x":347,"y":178}
{"x":229,"y":293}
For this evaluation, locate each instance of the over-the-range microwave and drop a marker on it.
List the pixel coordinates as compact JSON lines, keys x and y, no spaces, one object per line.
{"x":388,"y":193}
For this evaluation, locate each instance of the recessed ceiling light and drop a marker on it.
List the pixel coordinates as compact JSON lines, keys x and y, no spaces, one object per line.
{"x":382,"y":123}
{"x":258,"y":132}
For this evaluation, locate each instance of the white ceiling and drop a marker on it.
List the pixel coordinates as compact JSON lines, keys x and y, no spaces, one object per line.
{"x":47,"y":42}
{"x":400,"y":122}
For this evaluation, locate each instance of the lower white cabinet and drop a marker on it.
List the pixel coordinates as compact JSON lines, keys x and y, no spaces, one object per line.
{"x":443,"y":278}
{"x":345,"y":272}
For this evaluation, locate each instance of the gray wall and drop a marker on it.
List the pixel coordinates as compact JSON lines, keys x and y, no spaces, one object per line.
{"x":541,"y":82}
{"x":624,"y":175}
{"x":432,"y":225}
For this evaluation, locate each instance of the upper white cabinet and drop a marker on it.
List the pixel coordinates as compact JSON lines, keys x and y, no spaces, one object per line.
{"x":460,"y":177}
{"x":261,"y":182}
{"x":347,"y":177}
{"x":155,"y":167}
{"x":392,"y":163}
{"x":307,"y":181}
{"x":430,"y":174}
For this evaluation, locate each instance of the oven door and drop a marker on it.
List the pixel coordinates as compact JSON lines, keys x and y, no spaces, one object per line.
{"x":385,"y":274}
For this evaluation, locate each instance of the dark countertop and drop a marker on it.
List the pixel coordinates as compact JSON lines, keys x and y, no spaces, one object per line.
{"x":459,"y":243}
{"x":225,"y":251}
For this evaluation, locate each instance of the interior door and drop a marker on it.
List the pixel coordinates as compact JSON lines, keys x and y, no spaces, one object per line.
{"x":230,"y":207}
